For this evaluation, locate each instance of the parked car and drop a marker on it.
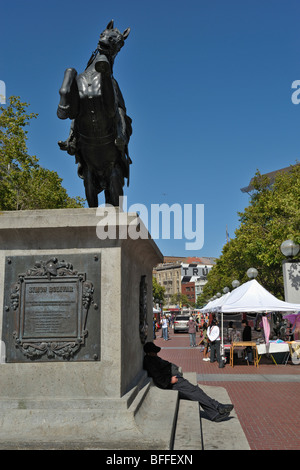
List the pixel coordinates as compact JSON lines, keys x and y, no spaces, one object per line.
{"x":181,"y":323}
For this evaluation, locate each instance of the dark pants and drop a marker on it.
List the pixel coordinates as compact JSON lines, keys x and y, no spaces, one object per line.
{"x":249,"y":353}
{"x":215,"y":350}
{"x":192,"y":392}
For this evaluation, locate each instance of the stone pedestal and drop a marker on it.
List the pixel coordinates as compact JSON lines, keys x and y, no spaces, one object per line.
{"x":57,"y":401}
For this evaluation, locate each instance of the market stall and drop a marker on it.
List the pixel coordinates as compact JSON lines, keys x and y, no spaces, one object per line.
{"x":250,"y":297}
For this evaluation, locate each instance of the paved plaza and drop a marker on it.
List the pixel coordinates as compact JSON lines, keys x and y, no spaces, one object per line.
{"x":266,"y":398}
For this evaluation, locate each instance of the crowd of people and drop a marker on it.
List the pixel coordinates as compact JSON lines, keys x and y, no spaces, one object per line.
{"x":168,"y":376}
{"x":210,"y":335}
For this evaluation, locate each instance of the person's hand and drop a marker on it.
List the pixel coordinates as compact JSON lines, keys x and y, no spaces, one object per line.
{"x":174,"y":380}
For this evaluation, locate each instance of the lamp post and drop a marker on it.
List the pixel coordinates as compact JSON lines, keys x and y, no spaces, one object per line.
{"x":252,"y":273}
{"x":160,"y":305}
{"x":235,"y":283}
{"x":289,"y":248}
{"x":291,"y":271}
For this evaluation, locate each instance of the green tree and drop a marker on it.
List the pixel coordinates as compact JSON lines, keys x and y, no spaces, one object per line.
{"x":24,"y":183}
{"x":181,"y":299}
{"x":158,"y":291}
{"x":272,"y":216}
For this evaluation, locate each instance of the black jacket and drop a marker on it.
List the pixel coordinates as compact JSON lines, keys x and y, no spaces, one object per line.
{"x":159,"y":370}
{"x":247,"y":333}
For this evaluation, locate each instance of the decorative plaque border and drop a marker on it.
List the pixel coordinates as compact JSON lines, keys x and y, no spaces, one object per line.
{"x":51,"y":303}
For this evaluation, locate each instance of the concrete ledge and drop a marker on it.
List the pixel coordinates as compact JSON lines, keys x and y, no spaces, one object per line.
{"x":188,"y":427}
{"x":157,"y":417}
{"x":194,"y":431}
{"x":226,"y":435}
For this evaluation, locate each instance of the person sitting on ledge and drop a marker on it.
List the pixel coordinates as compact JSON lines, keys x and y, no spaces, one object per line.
{"x":167,"y":376}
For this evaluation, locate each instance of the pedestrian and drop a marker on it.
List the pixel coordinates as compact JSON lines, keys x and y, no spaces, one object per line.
{"x":192,"y":332}
{"x":204,"y":340}
{"x":166,"y":375}
{"x":247,"y":336}
{"x":230,"y":332}
{"x":213,"y":333}
{"x":164,"y":325}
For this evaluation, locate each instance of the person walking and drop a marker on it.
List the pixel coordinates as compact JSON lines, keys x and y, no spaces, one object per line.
{"x":164,"y":325}
{"x":166,"y":375}
{"x":204,"y":340}
{"x":192,"y":332}
{"x":213,"y":333}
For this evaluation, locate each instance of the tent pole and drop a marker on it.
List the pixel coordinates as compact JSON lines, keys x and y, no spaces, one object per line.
{"x":222,"y":337}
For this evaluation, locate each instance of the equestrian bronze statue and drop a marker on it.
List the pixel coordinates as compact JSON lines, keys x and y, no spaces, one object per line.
{"x":100,"y":128}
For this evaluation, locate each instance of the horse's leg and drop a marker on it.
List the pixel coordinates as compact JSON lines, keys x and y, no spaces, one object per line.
{"x":90,"y":189}
{"x":121,"y":140}
{"x":116,"y":184}
{"x":107,"y":89}
{"x":69,"y":98}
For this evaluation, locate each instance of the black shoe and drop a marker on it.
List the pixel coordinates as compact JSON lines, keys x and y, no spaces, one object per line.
{"x":225,"y":409}
{"x":221,"y":417}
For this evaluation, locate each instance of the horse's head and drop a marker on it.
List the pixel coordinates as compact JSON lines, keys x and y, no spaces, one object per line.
{"x":112,"y":40}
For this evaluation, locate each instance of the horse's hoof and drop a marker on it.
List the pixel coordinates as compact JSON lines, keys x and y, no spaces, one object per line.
{"x":63,"y":111}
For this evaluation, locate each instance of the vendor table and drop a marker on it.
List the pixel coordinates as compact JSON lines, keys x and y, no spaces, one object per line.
{"x":272,"y":348}
{"x":243,"y":345}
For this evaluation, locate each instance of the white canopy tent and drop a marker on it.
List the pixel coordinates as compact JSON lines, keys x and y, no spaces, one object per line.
{"x":253,"y":297}
{"x":214,"y":305}
{"x":249,"y":297}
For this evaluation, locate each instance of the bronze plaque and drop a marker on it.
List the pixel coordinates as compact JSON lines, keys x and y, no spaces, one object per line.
{"x":51,"y":308}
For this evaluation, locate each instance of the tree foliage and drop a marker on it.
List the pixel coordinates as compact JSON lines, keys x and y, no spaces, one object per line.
{"x":24,"y":184}
{"x":272,"y":216}
{"x":158,"y":291}
{"x":181,"y":300}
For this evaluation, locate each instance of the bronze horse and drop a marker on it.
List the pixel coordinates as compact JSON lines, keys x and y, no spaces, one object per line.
{"x":100,"y":129}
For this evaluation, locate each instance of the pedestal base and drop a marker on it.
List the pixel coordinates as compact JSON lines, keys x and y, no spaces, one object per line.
{"x":69,"y":402}
{"x":134,"y":421}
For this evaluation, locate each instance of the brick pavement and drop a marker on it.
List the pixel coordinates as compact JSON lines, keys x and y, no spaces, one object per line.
{"x":266,"y":398}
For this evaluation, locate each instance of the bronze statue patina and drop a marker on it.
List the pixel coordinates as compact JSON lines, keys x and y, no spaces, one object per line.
{"x":100,"y":128}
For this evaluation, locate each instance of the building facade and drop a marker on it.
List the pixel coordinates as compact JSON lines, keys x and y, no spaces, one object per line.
{"x":188,"y":289}
{"x":168,"y":275}
{"x":183,"y":276}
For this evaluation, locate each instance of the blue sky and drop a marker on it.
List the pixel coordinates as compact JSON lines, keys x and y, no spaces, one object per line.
{"x":206,"y":82}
